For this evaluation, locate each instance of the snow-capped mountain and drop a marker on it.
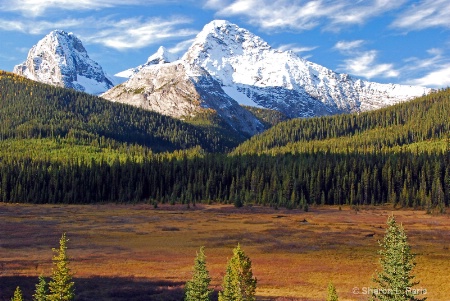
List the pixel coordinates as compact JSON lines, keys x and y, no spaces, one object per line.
{"x":251,"y":71}
{"x":180,"y":90}
{"x":60,"y":59}
{"x":162,"y":56}
{"x":230,"y":65}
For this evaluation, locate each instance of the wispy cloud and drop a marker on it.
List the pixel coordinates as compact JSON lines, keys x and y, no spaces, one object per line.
{"x":296,"y":48}
{"x":36,"y":27}
{"x":345,"y":46}
{"x":438,"y":78}
{"x":434,"y":61}
{"x":363,"y":63}
{"x":432,"y":71}
{"x":428,"y":13}
{"x":118,"y":34}
{"x":181,"y":46}
{"x":359,"y":12}
{"x":303,"y":15}
{"x":39,"y":7}
{"x":138,"y":33}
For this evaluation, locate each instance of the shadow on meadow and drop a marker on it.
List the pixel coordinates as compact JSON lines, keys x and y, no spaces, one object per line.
{"x":102,"y":288}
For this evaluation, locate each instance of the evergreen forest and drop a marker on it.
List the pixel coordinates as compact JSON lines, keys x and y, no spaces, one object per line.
{"x":62,"y":146}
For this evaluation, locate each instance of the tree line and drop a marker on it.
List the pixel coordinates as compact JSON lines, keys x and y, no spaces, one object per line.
{"x":293,"y":181}
{"x":422,"y":120}
{"x":272,"y":169}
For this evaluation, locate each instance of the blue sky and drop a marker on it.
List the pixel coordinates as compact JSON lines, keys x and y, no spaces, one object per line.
{"x":388,"y":41}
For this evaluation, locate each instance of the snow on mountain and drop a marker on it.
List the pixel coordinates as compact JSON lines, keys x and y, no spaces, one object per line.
{"x":246,"y":65}
{"x":180,"y":90}
{"x":60,"y":59}
{"x":162,"y":56}
{"x":227,"y":65}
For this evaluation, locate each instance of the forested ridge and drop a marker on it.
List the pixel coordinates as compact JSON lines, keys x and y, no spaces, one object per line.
{"x":30,"y":109}
{"x":81,"y":152}
{"x":267,"y":117}
{"x":425,"y":119}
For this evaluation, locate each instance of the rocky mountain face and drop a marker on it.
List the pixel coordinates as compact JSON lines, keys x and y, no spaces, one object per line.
{"x":228,"y":65}
{"x":253,"y":72}
{"x":180,"y":90}
{"x":60,"y":59}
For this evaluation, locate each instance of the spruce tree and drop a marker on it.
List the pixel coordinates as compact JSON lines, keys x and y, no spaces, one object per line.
{"x":61,"y":286}
{"x":395,"y":281}
{"x":17,"y":295}
{"x":238,"y":282}
{"x":197,"y":289}
{"x":41,"y":292}
{"x":332,"y":294}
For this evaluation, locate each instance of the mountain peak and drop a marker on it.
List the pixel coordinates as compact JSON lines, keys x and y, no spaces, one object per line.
{"x":226,"y":36}
{"x":253,"y":72}
{"x":249,"y":71}
{"x":64,"y":38}
{"x":218,"y":24}
{"x":182,"y":90}
{"x":221,"y":41}
{"x":60,"y":59}
{"x":161,"y":56}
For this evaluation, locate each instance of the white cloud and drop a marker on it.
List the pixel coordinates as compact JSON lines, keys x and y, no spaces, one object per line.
{"x":364,"y":65}
{"x":439,"y":78}
{"x":359,"y":12}
{"x":270,"y":14}
{"x":433,"y":71}
{"x":428,"y":13}
{"x":39,"y":7}
{"x":217,"y":4}
{"x":181,"y":46}
{"x":303,"y":15}
{"x":345,"y":46}
{"x":11,"y":25}
{"x":118,"y":34}
{"x":433,"y":62}
{"x":39,"y":27}
{"x":135,"y":33}
{"x":296,"y":48}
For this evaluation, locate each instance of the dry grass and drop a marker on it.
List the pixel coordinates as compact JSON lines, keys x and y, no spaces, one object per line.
{"x":140,"y":253}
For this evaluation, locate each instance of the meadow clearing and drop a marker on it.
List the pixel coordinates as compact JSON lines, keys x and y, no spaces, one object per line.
{"x":138,"y":252}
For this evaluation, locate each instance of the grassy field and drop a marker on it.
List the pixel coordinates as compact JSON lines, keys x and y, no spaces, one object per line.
{"x":126,"y":252}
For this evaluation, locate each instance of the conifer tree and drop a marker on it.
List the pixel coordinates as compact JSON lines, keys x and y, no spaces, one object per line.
{"x":395,"y":281}
{"x":238,"y":283}
{"x":61,"y":286}
{"x":197,"y":289}
{"x":17,"y":295}
{"x":332,"y":294}
{"x":41,"y":291}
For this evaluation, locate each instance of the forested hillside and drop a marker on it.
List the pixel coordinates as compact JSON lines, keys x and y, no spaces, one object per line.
{"x":267,"y":117}
{"x":60,"y":146}
{"x":32,"y":110}
{"x":404,"y":179}
{"x":422,"y":124}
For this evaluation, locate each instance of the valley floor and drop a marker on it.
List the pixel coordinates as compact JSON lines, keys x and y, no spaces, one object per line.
{"x":137,"y":252}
